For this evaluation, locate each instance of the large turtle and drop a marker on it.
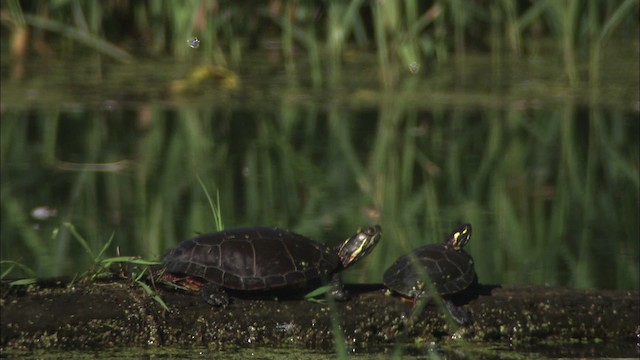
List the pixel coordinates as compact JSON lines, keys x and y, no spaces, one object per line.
{"x":448,"y":267}
{"x":258,"y":259}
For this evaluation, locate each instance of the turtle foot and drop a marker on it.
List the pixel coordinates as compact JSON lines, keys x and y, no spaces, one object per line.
{"x":214,"y":295}
{"x":461,"y":315}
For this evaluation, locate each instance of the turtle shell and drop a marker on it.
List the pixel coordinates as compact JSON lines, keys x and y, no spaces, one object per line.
{"x":252,"y":259}
{"x":447,"y":265}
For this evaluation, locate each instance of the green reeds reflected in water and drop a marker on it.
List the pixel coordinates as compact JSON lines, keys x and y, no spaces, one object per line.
{"x":552,"y":193}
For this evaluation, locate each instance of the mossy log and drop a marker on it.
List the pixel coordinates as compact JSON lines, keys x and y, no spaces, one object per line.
{"x":118,"y":313}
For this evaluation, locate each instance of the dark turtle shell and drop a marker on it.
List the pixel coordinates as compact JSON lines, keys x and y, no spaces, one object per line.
{"x":253,"y":259}
{"x":447,"y":265}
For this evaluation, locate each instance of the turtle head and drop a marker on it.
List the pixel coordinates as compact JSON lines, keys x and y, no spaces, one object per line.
{"x":459,"y":237}
{"x":359,"y":245}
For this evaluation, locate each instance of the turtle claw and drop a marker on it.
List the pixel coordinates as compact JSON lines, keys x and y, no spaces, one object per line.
{"x":214,"y":295}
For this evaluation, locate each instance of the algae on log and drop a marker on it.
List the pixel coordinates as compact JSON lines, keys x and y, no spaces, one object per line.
{"x":54,"y":314}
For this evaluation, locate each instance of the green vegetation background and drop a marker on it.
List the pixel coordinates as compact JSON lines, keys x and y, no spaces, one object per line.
{"x":338,"y":131}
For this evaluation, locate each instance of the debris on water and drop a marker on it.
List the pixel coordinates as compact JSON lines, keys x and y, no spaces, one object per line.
{"x":205,"y":76}
{"x":43,"y":213}
{"x":98,"y":167}
{"x":194,"y":43}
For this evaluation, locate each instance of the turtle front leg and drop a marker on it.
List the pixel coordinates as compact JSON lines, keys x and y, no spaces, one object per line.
{"x":337,"y":289}
{"x":214,"y":295}
{"x":461,"y":315}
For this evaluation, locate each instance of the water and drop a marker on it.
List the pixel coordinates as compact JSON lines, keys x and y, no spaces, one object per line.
{"x":485,"y":351}
{"x":546,"y":173}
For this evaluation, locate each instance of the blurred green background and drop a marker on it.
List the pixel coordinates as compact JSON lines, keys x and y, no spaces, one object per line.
{"x":519,"y":117}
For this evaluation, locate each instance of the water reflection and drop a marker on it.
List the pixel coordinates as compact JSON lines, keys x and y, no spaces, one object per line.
{"x":418,"y":159}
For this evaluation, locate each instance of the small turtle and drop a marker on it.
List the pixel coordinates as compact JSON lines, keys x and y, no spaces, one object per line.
{"x":260,"y":259}
{"x":447,"y":266}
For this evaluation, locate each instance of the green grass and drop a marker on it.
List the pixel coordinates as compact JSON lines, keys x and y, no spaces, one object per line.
{"x":324,"y":35}
{"x":215,"y":208}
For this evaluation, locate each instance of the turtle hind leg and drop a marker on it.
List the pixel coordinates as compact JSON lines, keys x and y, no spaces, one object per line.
{"x":461,"y":315}
{"x":214,"y":295}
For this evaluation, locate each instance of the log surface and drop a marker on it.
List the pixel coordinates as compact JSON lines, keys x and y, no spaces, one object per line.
{"x":118,"y":313}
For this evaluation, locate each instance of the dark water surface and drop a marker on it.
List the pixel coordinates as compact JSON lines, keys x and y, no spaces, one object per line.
{"x":486,"y":351}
